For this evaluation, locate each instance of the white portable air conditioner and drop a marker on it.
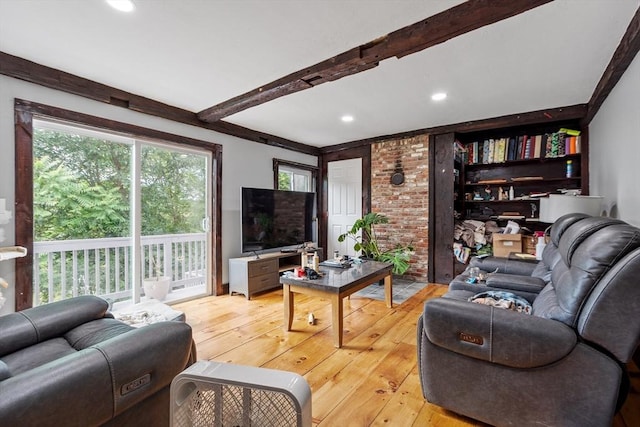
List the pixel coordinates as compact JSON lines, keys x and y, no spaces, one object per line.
{"x":223,"y":394}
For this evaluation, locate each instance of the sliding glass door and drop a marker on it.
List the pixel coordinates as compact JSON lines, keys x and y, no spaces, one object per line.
{"x":174,"y":218}
{"x":110,"y":211}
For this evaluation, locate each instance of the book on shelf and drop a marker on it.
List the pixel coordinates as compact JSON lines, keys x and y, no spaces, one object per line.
{"x":552,"y":145}
{"x":573,"y":146}
{"x":485,"y":152}
{"x":524,"y":147}
{"x":561,"y":143}
{"x":471,"y":151}
{"x":527,"y":148}
{"x":512,"y":151}
{"x":543,"y":145}
{"x":537,"y":146}
{"x":519,"y":146}
{"x":500,"y":155}
{"x":492,"y":148}
{"x":548,"y":152}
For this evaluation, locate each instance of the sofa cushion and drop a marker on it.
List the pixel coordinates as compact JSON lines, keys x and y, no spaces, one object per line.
{"x":594,"y":246}
{"x":37,"y":355}
{"x":562,"y":224}
{"x":573,"y":237}
{"x":94,"y":332}
{"x":38,"y":324}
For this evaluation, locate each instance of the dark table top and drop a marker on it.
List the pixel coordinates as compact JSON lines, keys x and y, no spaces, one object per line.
{"x":337,"y":280}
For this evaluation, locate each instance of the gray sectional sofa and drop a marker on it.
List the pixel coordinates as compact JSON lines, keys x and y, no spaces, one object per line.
{"x":562,"y":365}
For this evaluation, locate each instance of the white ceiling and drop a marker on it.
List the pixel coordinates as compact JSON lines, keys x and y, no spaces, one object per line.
{"x":194,"y":54}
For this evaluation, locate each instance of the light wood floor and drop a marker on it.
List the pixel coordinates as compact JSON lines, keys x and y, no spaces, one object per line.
{"x":372,"y":380}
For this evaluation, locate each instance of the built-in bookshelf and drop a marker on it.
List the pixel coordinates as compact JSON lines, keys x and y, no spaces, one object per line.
{"x":466,"y":186}
{"x":502,"y":176}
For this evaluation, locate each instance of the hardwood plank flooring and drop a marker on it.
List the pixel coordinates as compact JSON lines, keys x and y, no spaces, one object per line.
{"x":372,"y":380}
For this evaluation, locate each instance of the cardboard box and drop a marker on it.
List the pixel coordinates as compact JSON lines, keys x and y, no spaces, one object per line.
{"x":504,"y":244}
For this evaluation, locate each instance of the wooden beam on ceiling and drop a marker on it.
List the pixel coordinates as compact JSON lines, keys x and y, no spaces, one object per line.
{"x":548,"y":115}
{"x":32,"y":72}
{"x":439,"y":28}
{"x":620,"y":61}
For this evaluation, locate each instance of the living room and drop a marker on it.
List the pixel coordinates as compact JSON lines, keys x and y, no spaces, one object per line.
{"x":612,"y":129}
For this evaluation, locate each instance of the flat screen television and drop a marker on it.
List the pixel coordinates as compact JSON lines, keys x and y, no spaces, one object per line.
{"x":276,"y":219}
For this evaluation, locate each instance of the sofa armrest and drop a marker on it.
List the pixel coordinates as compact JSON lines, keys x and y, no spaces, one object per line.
{"x":37,"y":324}
{"x":50,"y":394}
{"x":515,"y":282}
{"x":503,"y":265}
{"x":496,"y":335}
{"x":146,"y":360}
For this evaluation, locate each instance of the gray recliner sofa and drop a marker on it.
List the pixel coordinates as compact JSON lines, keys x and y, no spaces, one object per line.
{"x":563,"y":365}
{"x":69,"y":363}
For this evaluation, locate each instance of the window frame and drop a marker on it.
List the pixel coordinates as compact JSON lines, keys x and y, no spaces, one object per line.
{"x":313,"y":170}
{"x":24,"y":114}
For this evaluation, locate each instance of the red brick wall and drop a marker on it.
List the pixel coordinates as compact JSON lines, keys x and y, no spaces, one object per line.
{"x":406,"y":205}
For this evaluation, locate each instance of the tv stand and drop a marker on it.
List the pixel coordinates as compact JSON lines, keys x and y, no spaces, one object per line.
{"x":250,"y":275}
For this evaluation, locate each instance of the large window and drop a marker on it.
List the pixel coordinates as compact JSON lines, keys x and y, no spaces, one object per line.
{"x":110,"y":207}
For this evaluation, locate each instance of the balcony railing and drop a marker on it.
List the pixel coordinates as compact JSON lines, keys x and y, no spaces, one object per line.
{"x":64,"y":269}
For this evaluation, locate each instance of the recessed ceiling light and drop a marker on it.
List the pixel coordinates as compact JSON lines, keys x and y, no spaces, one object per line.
{"x":122,"y":5}
{"x":438,"y":96}
{"x":347,"y":118}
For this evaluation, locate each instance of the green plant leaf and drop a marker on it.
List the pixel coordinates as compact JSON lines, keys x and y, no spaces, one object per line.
{"x":363,"y":234}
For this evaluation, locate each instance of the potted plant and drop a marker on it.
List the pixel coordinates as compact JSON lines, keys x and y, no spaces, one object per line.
{"x":363,"y":234}
{"x":156,"y":287}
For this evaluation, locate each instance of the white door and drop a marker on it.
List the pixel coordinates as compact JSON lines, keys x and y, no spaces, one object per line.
{"x":345,"y":203}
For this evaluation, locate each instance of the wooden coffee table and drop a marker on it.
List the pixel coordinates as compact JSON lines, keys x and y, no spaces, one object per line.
{"x":336,"y":284}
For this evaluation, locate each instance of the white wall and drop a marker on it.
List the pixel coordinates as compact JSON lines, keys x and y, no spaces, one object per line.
{"x":244,"y":163}
{"x":614,"y":147}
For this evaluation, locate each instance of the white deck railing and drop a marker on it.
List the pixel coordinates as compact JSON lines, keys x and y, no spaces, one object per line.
{"x":68,"y":268}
